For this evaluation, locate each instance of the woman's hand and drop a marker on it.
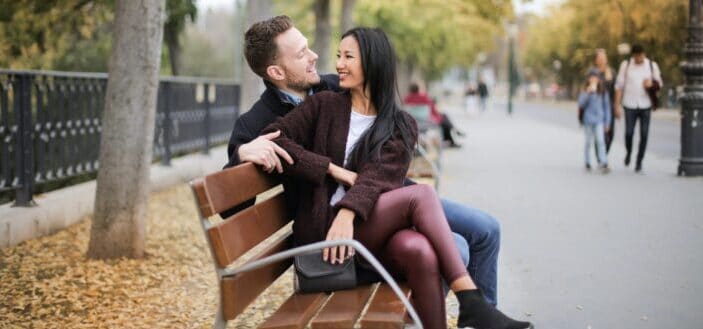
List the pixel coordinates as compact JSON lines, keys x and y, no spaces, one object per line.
{"x":342,"y":228}
{"x":341,"y":175}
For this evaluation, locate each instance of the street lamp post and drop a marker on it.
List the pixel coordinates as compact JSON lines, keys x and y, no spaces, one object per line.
{"x":512,"y":70}
{"x":691,"y":161}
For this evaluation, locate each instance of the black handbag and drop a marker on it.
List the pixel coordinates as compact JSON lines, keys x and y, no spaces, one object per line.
{"x":317,"y":275}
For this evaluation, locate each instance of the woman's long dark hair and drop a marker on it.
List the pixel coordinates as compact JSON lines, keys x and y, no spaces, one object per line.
{"x":378,"y":63}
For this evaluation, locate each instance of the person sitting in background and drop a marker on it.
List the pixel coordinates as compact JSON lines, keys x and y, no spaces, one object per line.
{"x":595,"y":102}
{"x":415,"y":97}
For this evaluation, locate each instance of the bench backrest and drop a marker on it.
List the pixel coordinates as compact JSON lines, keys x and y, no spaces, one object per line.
{"x":242,"y":231}
{"x":420,"y":112}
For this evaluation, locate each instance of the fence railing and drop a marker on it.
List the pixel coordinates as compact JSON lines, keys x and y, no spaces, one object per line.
{"x":50,"y":124}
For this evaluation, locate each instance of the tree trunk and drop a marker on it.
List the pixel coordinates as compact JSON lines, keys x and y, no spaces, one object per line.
{"x":252,"y":85}
{"x":347,"y":20}
{"x":119,"y":221}
{"x":174,"y":50}
{"x":405,"y":71}
{"x":323,"y":34}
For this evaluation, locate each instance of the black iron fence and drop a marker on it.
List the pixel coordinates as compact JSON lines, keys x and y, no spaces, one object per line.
{"x":50,"y":124}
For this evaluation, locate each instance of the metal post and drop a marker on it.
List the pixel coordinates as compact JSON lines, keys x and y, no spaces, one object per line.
{"x":206,"y":119}
{"x":691,"y":161}
{"x":25,"y":163}
{"x":511,"y":74}
{"x":167,"y":123}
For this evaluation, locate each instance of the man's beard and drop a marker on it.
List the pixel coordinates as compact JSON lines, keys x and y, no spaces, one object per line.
{"x":296,"y":82}
{"x":298,"y":85}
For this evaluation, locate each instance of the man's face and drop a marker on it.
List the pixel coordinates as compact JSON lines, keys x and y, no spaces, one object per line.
{"x":296,"y":60}
{"x":639,"y":58}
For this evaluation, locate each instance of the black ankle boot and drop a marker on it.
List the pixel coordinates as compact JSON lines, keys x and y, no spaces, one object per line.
{"x":475,"y":312}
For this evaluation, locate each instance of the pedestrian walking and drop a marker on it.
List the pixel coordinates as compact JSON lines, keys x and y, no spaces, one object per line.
{"x":594,"y":103}
{"x":482,"y":94}
{"x":607,"y":77}
{"x":638,"y":81}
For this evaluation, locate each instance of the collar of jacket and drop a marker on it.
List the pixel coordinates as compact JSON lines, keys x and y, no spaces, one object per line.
{"x":279,"y":104}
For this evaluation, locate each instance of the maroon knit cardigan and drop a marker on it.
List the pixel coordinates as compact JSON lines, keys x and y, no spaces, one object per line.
{"x":315,"y":134}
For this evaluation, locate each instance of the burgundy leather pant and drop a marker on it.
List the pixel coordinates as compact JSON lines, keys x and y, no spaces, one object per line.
{"x":408,"y":232}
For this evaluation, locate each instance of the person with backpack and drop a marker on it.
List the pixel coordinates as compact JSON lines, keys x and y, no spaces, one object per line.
{"x":636,"y":86}
{"x":594,"y":102}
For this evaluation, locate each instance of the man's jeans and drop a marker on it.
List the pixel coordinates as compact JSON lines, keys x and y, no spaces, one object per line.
{"x":482,"y":233}
{"x":631,"y":117}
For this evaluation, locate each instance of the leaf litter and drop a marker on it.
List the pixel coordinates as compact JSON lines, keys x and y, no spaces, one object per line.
{"x":48,"y":282}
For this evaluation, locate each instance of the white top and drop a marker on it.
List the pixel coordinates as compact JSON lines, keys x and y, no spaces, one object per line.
{"x":358,"y":124}
{"x":634,"y":95}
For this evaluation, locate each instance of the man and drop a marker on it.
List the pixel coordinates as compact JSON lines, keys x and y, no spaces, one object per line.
{"x":287,"y":66}
{"x":635,"y":76}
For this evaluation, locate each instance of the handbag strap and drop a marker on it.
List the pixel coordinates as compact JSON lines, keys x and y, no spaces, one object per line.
{"x":651,"y":70}
{"x":624,"y":84}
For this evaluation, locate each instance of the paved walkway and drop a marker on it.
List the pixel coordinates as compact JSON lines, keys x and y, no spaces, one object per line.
{"x":581,"y":249}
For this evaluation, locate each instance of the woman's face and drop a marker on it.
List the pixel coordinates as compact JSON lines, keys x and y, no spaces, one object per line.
{"x":351,"y":73}
{"x":601,"y":58}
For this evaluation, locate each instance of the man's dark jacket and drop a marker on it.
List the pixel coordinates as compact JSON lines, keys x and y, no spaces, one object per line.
{"x":265,"y":111}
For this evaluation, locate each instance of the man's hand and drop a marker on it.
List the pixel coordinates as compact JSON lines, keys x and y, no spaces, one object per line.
{"x":341,"y":175}
{"x":617,"y":111}
{"x":342,"y":228}
{"x":647,"y":83}
{"x":264,"y":152}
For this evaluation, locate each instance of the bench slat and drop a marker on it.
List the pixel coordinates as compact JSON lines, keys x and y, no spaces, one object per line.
{"x":236,"y":235}
{"x":343,"y":308}
{"x":240,"y":290}
{"x":232,"y":186}
{"x":296,"y":312}
{"x":385,"y":310}
{"x":198,"y":187}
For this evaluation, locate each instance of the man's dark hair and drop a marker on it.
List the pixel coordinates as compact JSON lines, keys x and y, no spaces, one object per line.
{"x":414,"y":88}
{"x":260,"y":47}
{"x":637,"y":49}
{"x":378,"y":63}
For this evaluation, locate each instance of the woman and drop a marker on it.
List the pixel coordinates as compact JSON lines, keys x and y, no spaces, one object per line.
{"x":351,"y":151}
{"x":595,"y":102}
{"x":607,"y":78}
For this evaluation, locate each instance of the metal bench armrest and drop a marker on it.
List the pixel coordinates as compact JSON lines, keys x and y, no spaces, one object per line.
{"x":327,"y":244}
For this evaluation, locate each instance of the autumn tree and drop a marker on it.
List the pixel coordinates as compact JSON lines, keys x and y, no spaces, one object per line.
{"x":63,"y":35}
{"x":178,"y":13}
{"x":323,"y":34}
{"x":430,"y":36}
{"x":572,"y":31}
{"x":346,"y":21}
{"x":256,"y":10}
{"x":119,"y":222}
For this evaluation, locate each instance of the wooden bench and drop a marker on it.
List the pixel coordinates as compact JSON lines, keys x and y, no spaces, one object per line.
{"x":234,"y":236}
{"x":426,"y":165}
